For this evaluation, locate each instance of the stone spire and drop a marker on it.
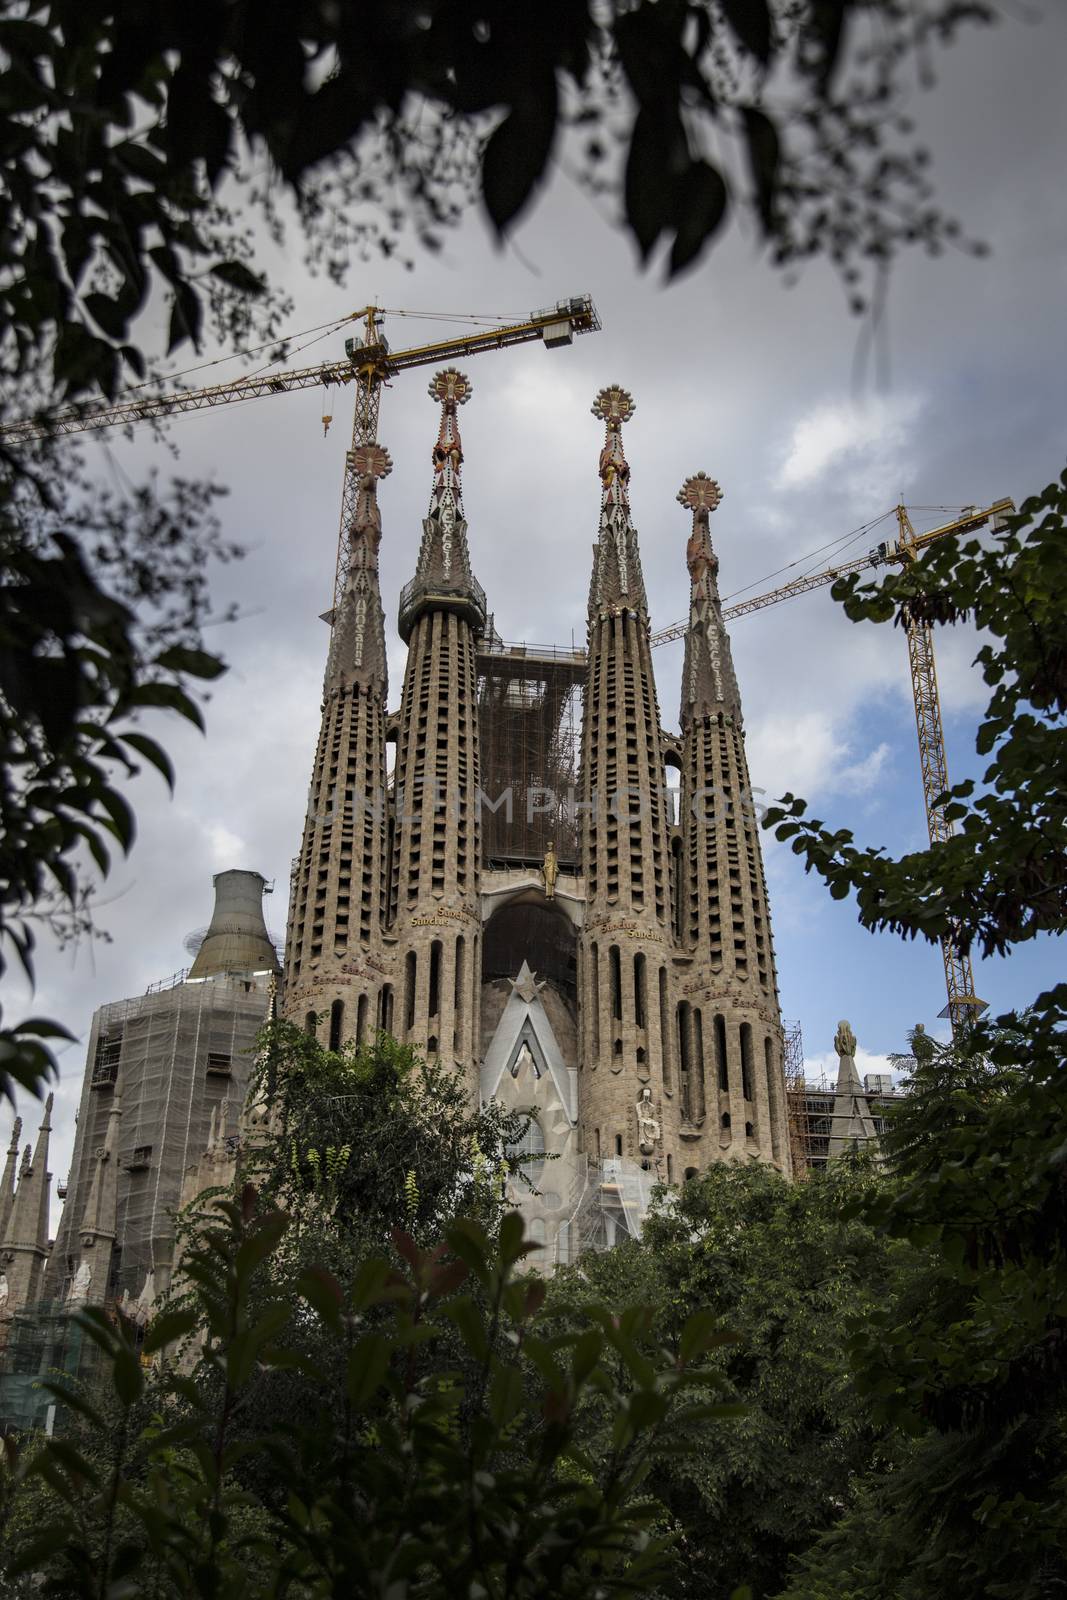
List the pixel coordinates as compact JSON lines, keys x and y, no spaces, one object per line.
{"x":25,"y":1246}
{"x":624,"y":948}
{"x":851,"y":1125}
{"x":99,"y":1221}
{"x":339,"y":886}
{"x":443,"y":577}
{"x":709,"y":684}
{"x":617,"y":583}
{"x":357,"y":640}
{"x":434,"y":904}
{"x":730,"y":1028}
{"x":7,"y":1183}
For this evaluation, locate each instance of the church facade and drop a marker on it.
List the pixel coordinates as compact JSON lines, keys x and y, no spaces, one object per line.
{"x":500,"y":873}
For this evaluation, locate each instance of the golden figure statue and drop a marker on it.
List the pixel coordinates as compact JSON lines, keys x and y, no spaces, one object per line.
{"x":550,"y":870}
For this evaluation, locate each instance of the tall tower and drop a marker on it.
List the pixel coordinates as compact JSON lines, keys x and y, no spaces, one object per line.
{"x":625,"y":954}
{"x":334,"y":966}
{"x":729,"y":1027}
{"x":434,"y":906}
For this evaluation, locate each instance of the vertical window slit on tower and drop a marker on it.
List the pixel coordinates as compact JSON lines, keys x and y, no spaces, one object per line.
{"x":457,"y":997}
{"x":720,"y":1053}
{"x":594,"y":990}
{"x":435,"y":978}
{"x":616,"y":982}
{"x":640,"y":1017}
{"x":337,"y":1017}
{"x":410,"y":975}
{"x":665,"y":1031}
{"x":746,"y":1060}
{"x":684,"y":1057}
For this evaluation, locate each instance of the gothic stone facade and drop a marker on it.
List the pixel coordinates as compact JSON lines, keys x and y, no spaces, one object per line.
{"x":618,"y":982}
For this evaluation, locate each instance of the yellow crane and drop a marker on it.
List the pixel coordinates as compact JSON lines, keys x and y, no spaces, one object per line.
{"x":369,"y":363}
{"x":963,"y":1003}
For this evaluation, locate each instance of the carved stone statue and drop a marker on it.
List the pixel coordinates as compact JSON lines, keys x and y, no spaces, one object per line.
{"x":4,"y":1291}
{"x":79,"y":1289}
{"x":648,"y":1128}
{"x":844,"y":1040}
{"x":550,"y":870}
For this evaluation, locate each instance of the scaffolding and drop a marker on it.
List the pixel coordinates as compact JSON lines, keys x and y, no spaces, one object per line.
{"x":42,"y":1341}
{"x":811,"y":1106}
{"x":529,"y":721}
{"x":173,"y":1056}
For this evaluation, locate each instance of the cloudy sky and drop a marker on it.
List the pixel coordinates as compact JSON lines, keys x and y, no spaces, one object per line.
{"x":733,"y":373}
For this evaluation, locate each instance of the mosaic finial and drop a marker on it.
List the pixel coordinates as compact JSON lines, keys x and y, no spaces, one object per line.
{"x":614,"y":405}
{"x":700,"y":493}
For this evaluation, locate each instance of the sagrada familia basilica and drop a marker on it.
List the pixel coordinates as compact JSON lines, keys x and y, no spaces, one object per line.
{"x":518,"y":871}
{"x":617,"y":979}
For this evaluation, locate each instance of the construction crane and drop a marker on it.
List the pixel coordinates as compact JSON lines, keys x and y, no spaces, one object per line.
{"x":963,"y":1004}
{"x":369,"y":364}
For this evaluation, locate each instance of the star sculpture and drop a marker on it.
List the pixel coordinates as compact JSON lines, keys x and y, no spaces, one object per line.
{"x":526,"y":986}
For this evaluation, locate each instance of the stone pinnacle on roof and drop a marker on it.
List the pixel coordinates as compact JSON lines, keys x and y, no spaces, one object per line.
{"x":617,"y":582}
{"x":709,"y":685}
{"x":27,"y":1226}
{"x":7,"y":1184}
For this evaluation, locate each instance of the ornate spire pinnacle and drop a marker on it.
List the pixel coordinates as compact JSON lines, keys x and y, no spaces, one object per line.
{"x":443,"y":578}
{"x":7,"y":1183}
{"x":357,"y":644}
{"x":27,"y":1226}
{"x":708,"y":682}
{"x":452,"y":390}
{"x":617,"y":582}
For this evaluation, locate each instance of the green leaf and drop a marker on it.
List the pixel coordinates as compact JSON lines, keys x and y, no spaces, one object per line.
{"x":517,"y":153}
{"x":153,"y":753}
{"x":699,"y":210}
{"x":763,"y":156}
{"x":197,"y":663}
{"x":237,"y":276}
{"x":168,"y":1327}
{"x":127,"y":1376}
{"x":658,"y":152}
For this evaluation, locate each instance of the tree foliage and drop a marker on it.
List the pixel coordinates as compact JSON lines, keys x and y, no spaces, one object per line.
{"x":128,"y":131}
{"x":436,"y":1450}
{"x":787,"y":1268}
{"x":1003,"y":878}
